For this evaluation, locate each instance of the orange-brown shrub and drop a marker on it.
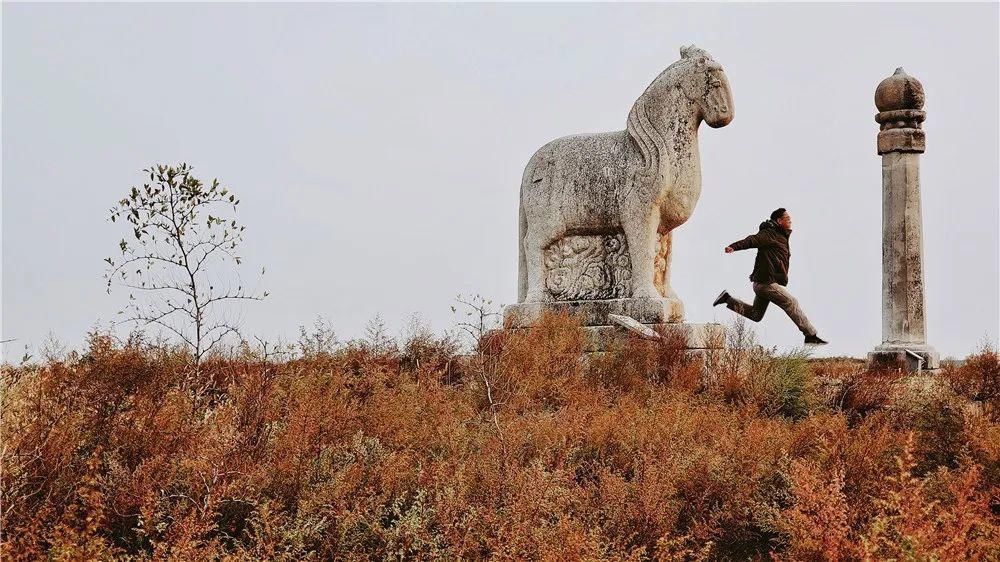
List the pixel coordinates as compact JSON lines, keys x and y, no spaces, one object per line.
{"x":375,"y":449}
{"x":978,"y":379}
{"x":867,"y":389}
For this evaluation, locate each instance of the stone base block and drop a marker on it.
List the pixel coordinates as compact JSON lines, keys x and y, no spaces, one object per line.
{"x":595,"y":312}
{"x":696,"y":338}
{"x":701,"y":357}
{"x":914,"y":357}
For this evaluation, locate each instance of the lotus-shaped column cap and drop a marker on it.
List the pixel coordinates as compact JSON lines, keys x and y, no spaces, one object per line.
{"x":899,"y":91}
{"x":900,"y":102}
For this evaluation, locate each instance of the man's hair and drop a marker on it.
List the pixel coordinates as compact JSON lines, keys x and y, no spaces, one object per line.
{"x":778,"y":213}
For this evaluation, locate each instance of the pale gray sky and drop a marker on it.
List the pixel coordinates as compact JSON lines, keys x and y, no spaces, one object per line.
{"x":378,"y":149}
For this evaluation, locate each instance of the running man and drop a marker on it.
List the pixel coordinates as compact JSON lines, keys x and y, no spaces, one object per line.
{"x":770,"y":275}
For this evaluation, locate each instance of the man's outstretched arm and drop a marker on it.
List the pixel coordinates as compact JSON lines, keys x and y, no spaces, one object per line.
{"x":752,"y":241}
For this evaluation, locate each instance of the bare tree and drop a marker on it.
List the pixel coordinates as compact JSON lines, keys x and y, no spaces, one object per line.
{"x":482,"y":318}
{"x":181,"y":256}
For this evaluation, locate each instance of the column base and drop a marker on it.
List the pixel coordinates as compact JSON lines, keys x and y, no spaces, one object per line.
{"x":913,"y":357}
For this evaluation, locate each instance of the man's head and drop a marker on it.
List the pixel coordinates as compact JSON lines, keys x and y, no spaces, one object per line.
{"x":781,"y":216}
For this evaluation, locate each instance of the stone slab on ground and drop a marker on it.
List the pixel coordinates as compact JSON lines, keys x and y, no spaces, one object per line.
{"x":700,"y":357}
{"x":634,"y":326}
{"x":696,"y":337}
{"x":596,"y":312}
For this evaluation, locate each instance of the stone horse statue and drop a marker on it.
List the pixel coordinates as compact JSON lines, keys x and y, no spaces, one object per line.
{"x":629,"y":188}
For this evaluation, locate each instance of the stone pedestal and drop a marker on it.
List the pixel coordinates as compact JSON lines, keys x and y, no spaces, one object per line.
{"x":900,"y":99}
{"x":602,"y":321}
{"x":697,"y":338}
{"x":912,"y":357}
{"x":595,"y":312}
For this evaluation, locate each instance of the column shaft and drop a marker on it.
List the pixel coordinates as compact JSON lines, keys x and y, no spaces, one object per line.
{"x":902,"y":250}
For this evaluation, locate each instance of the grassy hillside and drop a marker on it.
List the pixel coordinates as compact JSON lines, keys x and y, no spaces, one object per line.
{"x":524,"y":450}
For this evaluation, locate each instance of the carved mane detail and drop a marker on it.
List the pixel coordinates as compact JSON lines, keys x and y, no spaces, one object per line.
{"x":650,"y":139}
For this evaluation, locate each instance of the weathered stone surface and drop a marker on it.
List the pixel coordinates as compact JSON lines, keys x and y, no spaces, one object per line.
{"x":914,"y":357}
{"x":900,"y":100}
{"x":588,"y":267}
{"x":697,"y":340}
{"x":597,"y":211}
{"x":633,"y":326}
{"x":900,"y":142}
{"x":902,"y":250}
{"x":899,"y":91}
{"x":595,"y":312}
{"x":702,"y":337}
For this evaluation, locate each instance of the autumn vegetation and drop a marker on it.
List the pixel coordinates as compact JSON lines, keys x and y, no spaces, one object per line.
{"x":522,"y":448}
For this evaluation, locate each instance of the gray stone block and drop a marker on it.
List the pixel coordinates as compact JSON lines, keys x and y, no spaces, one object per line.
{"x":595,"y":312}
{"x":914,"y":358}
{"x":696,"y":337}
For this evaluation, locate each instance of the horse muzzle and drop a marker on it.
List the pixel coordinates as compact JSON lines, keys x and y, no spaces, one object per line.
{"x":720,"y":119}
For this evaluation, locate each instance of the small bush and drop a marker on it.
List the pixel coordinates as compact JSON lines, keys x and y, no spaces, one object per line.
{"x":978,"y":379}
{"x":865,"y":390}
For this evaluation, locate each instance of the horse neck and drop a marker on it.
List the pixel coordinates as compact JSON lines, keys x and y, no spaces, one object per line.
{"x":680,"y":162}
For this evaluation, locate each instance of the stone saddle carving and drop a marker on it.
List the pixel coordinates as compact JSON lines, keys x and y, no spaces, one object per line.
{"x":587,"y":268}
{"x":597,"y":211}
{"x":596,"y":267}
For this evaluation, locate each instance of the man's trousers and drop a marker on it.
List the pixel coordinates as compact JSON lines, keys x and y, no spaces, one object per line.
{"x":772,"y":292}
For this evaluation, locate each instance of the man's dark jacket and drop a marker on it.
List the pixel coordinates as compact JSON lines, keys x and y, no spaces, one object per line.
{"x":771,"y":265}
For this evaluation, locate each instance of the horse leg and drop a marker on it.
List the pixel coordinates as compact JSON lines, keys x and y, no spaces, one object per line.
{"x":522,"y":270}
{"x":665,"y":255}
{"x":640,"y":233}
{"x":533,"y":246}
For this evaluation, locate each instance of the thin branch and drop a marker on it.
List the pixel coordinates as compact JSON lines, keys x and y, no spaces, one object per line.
{"x":230,"y":297}
{"x":149,"y":257}
{"x":179,"y":288}
{"x":225,"y":332}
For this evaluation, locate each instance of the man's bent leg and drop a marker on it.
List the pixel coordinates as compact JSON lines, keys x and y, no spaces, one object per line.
{"x":754,"y":312}
{"x":781,"y":297}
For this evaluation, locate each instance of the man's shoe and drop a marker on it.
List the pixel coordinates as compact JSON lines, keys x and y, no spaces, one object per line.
{"x":723,"y":299}
{"x":814,"y":340}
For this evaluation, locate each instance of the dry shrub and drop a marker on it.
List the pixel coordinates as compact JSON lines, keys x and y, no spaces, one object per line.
{"x":817,"y":524}
{"x":983,"y":444}
{"x":943,"y":516}
{"x":916,"y":521}
{"x":749,"y":375}
{"x":633,"y":362}
{"x":539,"y":367}
{"x":866,"y":390}
{"x":978,"y":379}
{"x":935,"y":415}
{"x":378,"y":449}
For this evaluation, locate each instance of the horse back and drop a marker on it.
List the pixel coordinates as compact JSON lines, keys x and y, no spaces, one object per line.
{"x":585,"y":171}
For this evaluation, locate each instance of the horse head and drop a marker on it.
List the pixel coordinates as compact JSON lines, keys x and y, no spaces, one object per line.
{"x":704,"y":83}
{"x":691,"y":90}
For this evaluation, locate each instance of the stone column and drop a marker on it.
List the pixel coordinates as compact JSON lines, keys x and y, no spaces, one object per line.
{"x":900,"y":101}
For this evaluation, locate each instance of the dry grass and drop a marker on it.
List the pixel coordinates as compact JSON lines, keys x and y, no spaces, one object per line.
{"x":394,"y":450}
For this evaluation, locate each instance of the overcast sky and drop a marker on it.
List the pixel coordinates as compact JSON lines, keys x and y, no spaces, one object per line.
{"x":378,"y":150}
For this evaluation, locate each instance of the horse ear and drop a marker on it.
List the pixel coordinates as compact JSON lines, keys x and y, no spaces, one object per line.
{"x":684,"y":52}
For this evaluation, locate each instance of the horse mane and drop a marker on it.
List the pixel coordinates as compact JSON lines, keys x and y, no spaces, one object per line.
{"x":641,"y":129}
{"x":650,"y":141}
